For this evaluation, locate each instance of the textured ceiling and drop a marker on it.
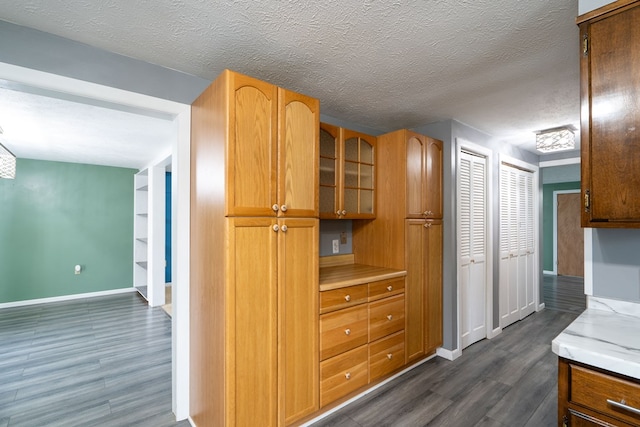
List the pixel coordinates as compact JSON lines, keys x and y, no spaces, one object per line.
{"x":504,"y":67}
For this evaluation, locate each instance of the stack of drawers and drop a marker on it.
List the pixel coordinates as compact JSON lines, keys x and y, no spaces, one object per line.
{"x":361,"y":336}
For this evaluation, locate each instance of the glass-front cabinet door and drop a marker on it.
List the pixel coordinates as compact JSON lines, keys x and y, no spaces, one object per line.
{"x":329,"y":171}
{"x":358,"y":175}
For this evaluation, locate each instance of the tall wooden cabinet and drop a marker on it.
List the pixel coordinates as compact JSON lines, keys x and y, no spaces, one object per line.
{"x":407,"y":232}
{"x":610,"y":113}
{"x":254,"y":254}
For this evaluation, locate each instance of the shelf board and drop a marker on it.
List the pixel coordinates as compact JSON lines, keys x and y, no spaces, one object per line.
{"x":142,"y":264}
{"x":143,"y":188}
{"x":143,"y":214}
{"x":142,"y":239}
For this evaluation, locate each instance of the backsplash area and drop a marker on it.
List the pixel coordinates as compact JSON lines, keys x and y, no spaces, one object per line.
{"x":331,"y":230}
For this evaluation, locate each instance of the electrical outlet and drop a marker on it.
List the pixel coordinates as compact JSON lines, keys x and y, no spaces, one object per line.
{"x":336,"y":246}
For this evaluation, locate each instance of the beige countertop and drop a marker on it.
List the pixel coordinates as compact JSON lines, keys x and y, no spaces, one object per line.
{"x":341,"y":276}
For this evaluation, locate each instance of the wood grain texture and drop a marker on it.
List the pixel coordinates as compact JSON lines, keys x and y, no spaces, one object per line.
{"x":87,"y":362}
{"x":298,"y":349}
{"x":354,"y":274}
{"x":343,"y":374}
{"x":570,"y":236}
{"x":386,"y":316}
{"x":433,"y":285}
{"x":386,"y":355}
{"x":343,"y":330}
{"x":385,"y":288}
{"x":340,"y":298}
{"x":610,"y":76}
{"x":298,"y":153}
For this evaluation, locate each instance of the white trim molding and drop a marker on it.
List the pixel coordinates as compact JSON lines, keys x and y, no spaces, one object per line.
{"x":67,"y":297}
{"x":449,"y":354}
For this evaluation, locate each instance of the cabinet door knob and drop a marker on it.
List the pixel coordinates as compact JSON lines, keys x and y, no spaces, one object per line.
{"x":347,"y":298}
{"x":389,"y":356}
{"x":338,"y":212}
{"x":284,"y":228}
{"x":425,"y":213}
{"x":389,"y":317}
{"x":427,"y":224}
{"x":348,"y":375}
{"x":283,"y":208}
{"x":275,"y":207}
{"x":343,"y":212}
{"x":389,"y":288}
{"x":347,"y":331}
{"x":275,"y":227}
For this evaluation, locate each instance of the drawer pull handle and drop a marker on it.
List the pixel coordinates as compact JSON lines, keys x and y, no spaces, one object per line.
{"x":389,"y":316}
{"x":622,"y":405}
{"x":348,"y":375}
{"x":389,"y":356}
{"x":347,"y":298}
{"x":389,"y":288}
{"x":347,"y":331}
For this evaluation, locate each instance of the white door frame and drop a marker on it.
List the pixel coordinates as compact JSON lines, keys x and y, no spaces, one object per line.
{"x":181,"y":152}
{"x":468,"y":146}
{"x":555,"y":228}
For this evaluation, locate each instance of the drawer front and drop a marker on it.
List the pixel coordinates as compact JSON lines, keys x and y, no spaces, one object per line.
{"x":343,"y":330}
{"x":385,"y":288}
{"x":386,"y":355}
{"x":593,"y":389}
{"x":386,"y":317}
{"x":343,"y":374}
{"x":337,"y":299}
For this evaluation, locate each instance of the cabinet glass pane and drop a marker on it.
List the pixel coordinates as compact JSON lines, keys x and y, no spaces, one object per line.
{"x":350,"y":174}
{"x":327,"y":171}
{"x":351,"y":200}
{"x":327,"y":144}
{"x":366,"y":152}
{"x":366,"y":201}
{"x":351,"y":149}
{"x":327,"y":199}
{"x":366,"y":176}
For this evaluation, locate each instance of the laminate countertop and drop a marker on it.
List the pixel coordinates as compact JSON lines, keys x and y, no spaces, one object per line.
{"x":606,"y":336}
{"x":341,"y":276}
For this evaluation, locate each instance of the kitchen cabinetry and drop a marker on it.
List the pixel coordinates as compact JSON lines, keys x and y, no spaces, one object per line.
{"x":254,"y":255}
{"x":592,"y":397}
{"x":424,"y":176}
{"x":361,"y":332}
{"x":407,"y":232}
{"x":610,"y":112}
{"x":347,"y":174}
{"x":424,"y":287}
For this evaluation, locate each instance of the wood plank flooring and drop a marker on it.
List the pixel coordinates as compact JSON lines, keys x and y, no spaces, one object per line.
{"x":510,"y":380}
{"x":564,"y":293}
{"x":102,"y":361}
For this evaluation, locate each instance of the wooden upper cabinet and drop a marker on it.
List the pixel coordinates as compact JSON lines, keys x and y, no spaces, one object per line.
{"x":610,"y":115}
{"x":424,"y":176}
{"x":272,"y":150}
{"x":347,"y":181}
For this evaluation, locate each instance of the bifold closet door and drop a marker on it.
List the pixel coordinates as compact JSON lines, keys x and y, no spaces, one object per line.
{"x":473,"y":246}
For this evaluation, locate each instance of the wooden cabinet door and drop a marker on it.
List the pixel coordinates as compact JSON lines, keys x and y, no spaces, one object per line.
{"x":299,"y":382}
{"x":415,"y":296}
{"x":424,"y":176}
{"x":252,"y":147}
{"x":358,"y":176}
{"x":330,"y":171}
{"x":433,"y":292}
{"x":433,"y":176}
{"x":251,"y":323}
{"x":416,"y":174}
{"x":610,"y":90}
{"x":298,"y":151}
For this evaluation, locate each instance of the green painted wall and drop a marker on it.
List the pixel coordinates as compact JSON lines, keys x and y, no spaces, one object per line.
{"x":547,"y":219}
{"x":56,"y":215}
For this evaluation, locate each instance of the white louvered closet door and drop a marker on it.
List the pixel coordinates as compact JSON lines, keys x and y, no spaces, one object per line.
{"x":472,"y":229}
{"x":517,"y":249}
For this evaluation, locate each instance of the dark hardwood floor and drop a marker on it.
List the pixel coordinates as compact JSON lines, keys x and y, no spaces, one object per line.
{"x":510,"y":380}
{"x":102,"y":361}
{"x":564,"y":293}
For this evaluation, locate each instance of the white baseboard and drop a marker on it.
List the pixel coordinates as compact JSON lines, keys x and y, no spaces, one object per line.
{"x":494,"y":333}
{"x":553,"y":273}
{"x":541,"y":307}
{"x":449,"y":354}
{"x":65,"y":298}
{"x":191,"y":422}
